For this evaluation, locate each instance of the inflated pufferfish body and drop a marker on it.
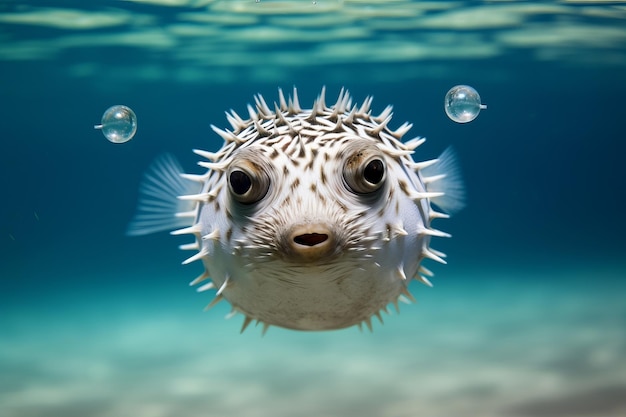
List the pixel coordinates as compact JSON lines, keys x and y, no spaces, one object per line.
{"x":310,"y":219}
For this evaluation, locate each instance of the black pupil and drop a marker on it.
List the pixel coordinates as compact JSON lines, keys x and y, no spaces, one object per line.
{"x":374,"y":171}
{"x":240,"y":182}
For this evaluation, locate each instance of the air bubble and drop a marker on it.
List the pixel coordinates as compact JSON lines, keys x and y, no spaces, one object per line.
{"x":118,"y":124}
{"x":462,"y":104}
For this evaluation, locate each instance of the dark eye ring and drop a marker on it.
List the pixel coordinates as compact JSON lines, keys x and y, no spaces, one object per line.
{"x":248,"y":186}
{"x":240,"y":182}
{"x":374,"y":171}
{"x":365,"y":172}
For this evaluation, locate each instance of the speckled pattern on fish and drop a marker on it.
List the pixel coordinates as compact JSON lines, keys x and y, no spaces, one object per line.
{"x":308,"y":219}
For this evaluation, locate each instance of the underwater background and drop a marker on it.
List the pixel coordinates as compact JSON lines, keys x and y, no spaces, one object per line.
{"x":528,"y":319}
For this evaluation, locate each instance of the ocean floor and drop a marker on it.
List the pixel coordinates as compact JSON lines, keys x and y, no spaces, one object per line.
{"x":497,"y":344}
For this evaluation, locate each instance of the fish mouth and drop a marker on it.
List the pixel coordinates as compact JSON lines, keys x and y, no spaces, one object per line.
{"x":310,"y":239}
{"x":310,"y":242}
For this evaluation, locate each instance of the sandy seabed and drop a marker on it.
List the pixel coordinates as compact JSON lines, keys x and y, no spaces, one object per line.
{"x":502,"y":345}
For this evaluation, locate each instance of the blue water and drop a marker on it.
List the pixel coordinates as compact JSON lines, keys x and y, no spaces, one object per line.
{"x":528,"y":319}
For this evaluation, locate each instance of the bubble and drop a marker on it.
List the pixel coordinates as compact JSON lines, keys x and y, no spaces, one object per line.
{"x":462,"y":104}
{"x":119,"y":124}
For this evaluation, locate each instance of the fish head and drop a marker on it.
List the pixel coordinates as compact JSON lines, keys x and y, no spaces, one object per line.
{"x":313,"y":228}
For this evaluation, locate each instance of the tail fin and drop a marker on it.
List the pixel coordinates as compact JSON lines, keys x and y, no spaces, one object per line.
{"x":159,"y":206}
{"x":448,"y":180}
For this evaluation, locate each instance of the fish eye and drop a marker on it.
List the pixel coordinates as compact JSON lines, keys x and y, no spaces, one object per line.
{"x":374,"y":171}
{"x":248,"y":186}
{"x":364,"y":172}
{"x":240,"y":182}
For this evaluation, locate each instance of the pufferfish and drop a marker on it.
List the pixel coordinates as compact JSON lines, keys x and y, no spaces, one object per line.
{"x":306,"y":219}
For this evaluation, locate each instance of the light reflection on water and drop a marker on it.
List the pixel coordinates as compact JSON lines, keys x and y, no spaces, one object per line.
{"x":222,"y":41}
